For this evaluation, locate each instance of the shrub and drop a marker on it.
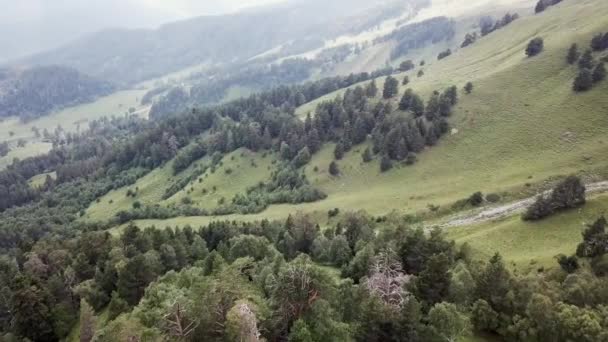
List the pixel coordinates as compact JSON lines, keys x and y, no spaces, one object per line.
{"x":333,"y":169}
{"x":535,"y":46}
{"x":493,"y":198}
{"x":385,"y":164}
{"x":570,"y":193}
{"x":584,"y":81}
{"x":476,"y":199}
{"x":444,"y":54}
{"x":333,"y":212}
{"x":468,"y":88}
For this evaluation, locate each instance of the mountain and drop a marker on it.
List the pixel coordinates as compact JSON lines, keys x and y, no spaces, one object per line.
{"x":35,"y":92}
{"x":130,"y":56}
{"x":371,"y":206}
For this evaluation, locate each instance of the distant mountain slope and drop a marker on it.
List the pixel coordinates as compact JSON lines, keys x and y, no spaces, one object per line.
{"x":129,"y":56}
{"x":35,"y":92}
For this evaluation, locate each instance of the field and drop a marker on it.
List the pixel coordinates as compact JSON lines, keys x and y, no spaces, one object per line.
{"x":70,"y":119}
{"x":238,"y":171}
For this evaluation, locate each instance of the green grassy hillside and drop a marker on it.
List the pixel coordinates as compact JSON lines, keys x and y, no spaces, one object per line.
{"x":236,"y":172}
{"x":521,"y":126}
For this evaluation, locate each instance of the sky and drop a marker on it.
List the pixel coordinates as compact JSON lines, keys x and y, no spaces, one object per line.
{"x":29,"y":26}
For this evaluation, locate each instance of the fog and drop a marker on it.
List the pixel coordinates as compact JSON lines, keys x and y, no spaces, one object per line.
{"x":30,"y":26}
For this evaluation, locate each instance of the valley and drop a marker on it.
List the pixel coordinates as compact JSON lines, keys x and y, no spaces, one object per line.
{"x":364,"y":174}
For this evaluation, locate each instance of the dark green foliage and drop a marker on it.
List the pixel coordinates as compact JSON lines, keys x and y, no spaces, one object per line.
{"x":599,"y":42}
{"x":339,"y":151}
{"x":333,"y":212}
{"x":586,"y":61}
{"x":540,"y":6}
{"x":420,"y":73}
{"x":476,"y":199}
{"x":391,"y":87}
{"x":406,"y":65}
{"x":371,"y":90}
{"x":583,"y":81}
{"x":444,"y":54}
{"x":35,"y":92}
{"x":32,"y":315}
{"x":568,"y":263}
{"x":535,"y":47}
{"x":367,"y":155}
{"x":569,"y":193}
{"x":599,"y":73}
{"x":469,"y":39}
{"x":433,"y":282}
{"x":573,"y":54}
{"x":468,"y":88}
{"x":333,"y":169}
{"x":4,"y":149}
{"x":595,"y":240}
{"x":385,"y":164}
{"x":406,"y":80}
{"x":493,"y":198}
{"x":418,"y":35}
{"x":302,"y":158}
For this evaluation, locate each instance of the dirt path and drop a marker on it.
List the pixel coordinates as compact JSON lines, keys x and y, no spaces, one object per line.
{"x":493,"y":213}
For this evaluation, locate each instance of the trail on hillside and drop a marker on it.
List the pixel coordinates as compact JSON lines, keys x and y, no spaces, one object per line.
{"x":494,"y":213}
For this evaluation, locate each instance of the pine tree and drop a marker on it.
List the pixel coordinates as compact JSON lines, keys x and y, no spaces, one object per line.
{"x":535,"y":46}
{"x":586,"y":61}
{"x":417,"y":106}
{"x":391,"y":87}
{"x":540,"y":6}
{"x":584,"y":81}
{"x":406,"y":80}
{"x":385,"y":164}
{"x":367,"y":155}
{"x":468,"y":88}
{"x":333,"y":169}
{"x":599,"y":74}
{"x":339,"y":151}
{"x":573,"y":54}
{"x":406,"y":100}
{"x":372,"y":89}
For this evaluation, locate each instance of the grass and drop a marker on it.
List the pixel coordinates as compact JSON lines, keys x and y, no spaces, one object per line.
{"x":38,"y":180}
{"x":32,"y":149}
{"x":240,"y":170}
{"x":530,"y":245}
{"x":246,"y":170}
{"x":70,"y":119}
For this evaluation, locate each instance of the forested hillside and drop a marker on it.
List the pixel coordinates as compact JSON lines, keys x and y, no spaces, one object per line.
{"x":331,"y":208}
{"x":34,"y":92}
{"x":129,"y":56}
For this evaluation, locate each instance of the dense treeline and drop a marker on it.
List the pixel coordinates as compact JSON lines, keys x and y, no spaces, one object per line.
{"x":35,"y":92}
{"x":178,"y":100}
{"x":238,"y":281}
{"x":418,"y":35}
{"x":542,"y":5}
{"x":487,"y":25}
{"x":74,"y":155}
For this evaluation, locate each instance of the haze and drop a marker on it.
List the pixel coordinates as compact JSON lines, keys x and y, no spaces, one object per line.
{"x":30,"y":26}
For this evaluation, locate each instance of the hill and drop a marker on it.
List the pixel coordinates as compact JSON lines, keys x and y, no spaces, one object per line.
{"x":509,"y":136}
{"x":35,"y":92}
{"x":314,"y":211}
{"x":130,"y":56}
